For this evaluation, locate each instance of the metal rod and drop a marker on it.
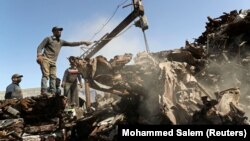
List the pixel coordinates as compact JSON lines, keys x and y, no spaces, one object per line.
{"x":146,"y":41}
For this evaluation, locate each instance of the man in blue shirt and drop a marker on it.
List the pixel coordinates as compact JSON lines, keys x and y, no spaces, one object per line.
{"x":14,"y":90}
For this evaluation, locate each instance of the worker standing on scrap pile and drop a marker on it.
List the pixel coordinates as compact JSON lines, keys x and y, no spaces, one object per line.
{"x":47,"y":53}
{"x":14,"y":90}
{"x":70,"y":83}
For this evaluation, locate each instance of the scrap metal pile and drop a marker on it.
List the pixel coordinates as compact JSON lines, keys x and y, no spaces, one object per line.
{"x":36,"y":118}
{"x":205,"y":82}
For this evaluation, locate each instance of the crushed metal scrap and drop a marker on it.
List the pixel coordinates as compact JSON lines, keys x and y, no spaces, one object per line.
{"x":205,"y":82}
{"x":35,"y":118}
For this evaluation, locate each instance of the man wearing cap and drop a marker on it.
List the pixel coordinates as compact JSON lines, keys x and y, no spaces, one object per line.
{"x":14,"y":90}
{"x":47,"y":53}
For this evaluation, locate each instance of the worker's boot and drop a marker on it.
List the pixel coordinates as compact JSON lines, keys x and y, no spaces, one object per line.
{"x":52,"y":89}
{"x":44,"y":85}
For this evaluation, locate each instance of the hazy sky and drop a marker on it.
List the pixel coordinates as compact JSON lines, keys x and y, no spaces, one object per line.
{"x":25,"y":23}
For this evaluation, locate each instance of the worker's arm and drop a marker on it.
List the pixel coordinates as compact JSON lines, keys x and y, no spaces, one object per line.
{"x":8,"y":92}
{"x":40,"y":49}
{"x":79,"y":77}
{"x":66,"y":43}
{"x":42,"y":45}
{"x":8,"y":95}
{"x":65,"y":75}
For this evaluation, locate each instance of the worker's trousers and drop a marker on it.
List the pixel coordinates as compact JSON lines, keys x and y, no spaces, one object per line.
{"x":48,"y":69}
{"x":71,"y":92}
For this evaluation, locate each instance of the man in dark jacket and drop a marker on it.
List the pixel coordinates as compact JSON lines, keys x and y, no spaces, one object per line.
{"x":47,"y":53}
{"x":14,"y":90}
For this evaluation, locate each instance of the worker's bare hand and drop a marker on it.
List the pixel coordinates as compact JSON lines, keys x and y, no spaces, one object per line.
{"x":39,"y":59}
{"x":87,"y":43}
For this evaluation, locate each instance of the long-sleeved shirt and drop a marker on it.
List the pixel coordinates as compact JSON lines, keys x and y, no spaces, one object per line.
{"x":71,"y":75}
{"x":51,"y":46}
{"x":13,"y":91}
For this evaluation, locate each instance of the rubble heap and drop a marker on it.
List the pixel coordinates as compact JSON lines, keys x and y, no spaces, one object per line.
{"x":35,"y":118}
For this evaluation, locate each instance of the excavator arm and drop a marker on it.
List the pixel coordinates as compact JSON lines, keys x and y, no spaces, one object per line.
{"x":138,"y":11}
